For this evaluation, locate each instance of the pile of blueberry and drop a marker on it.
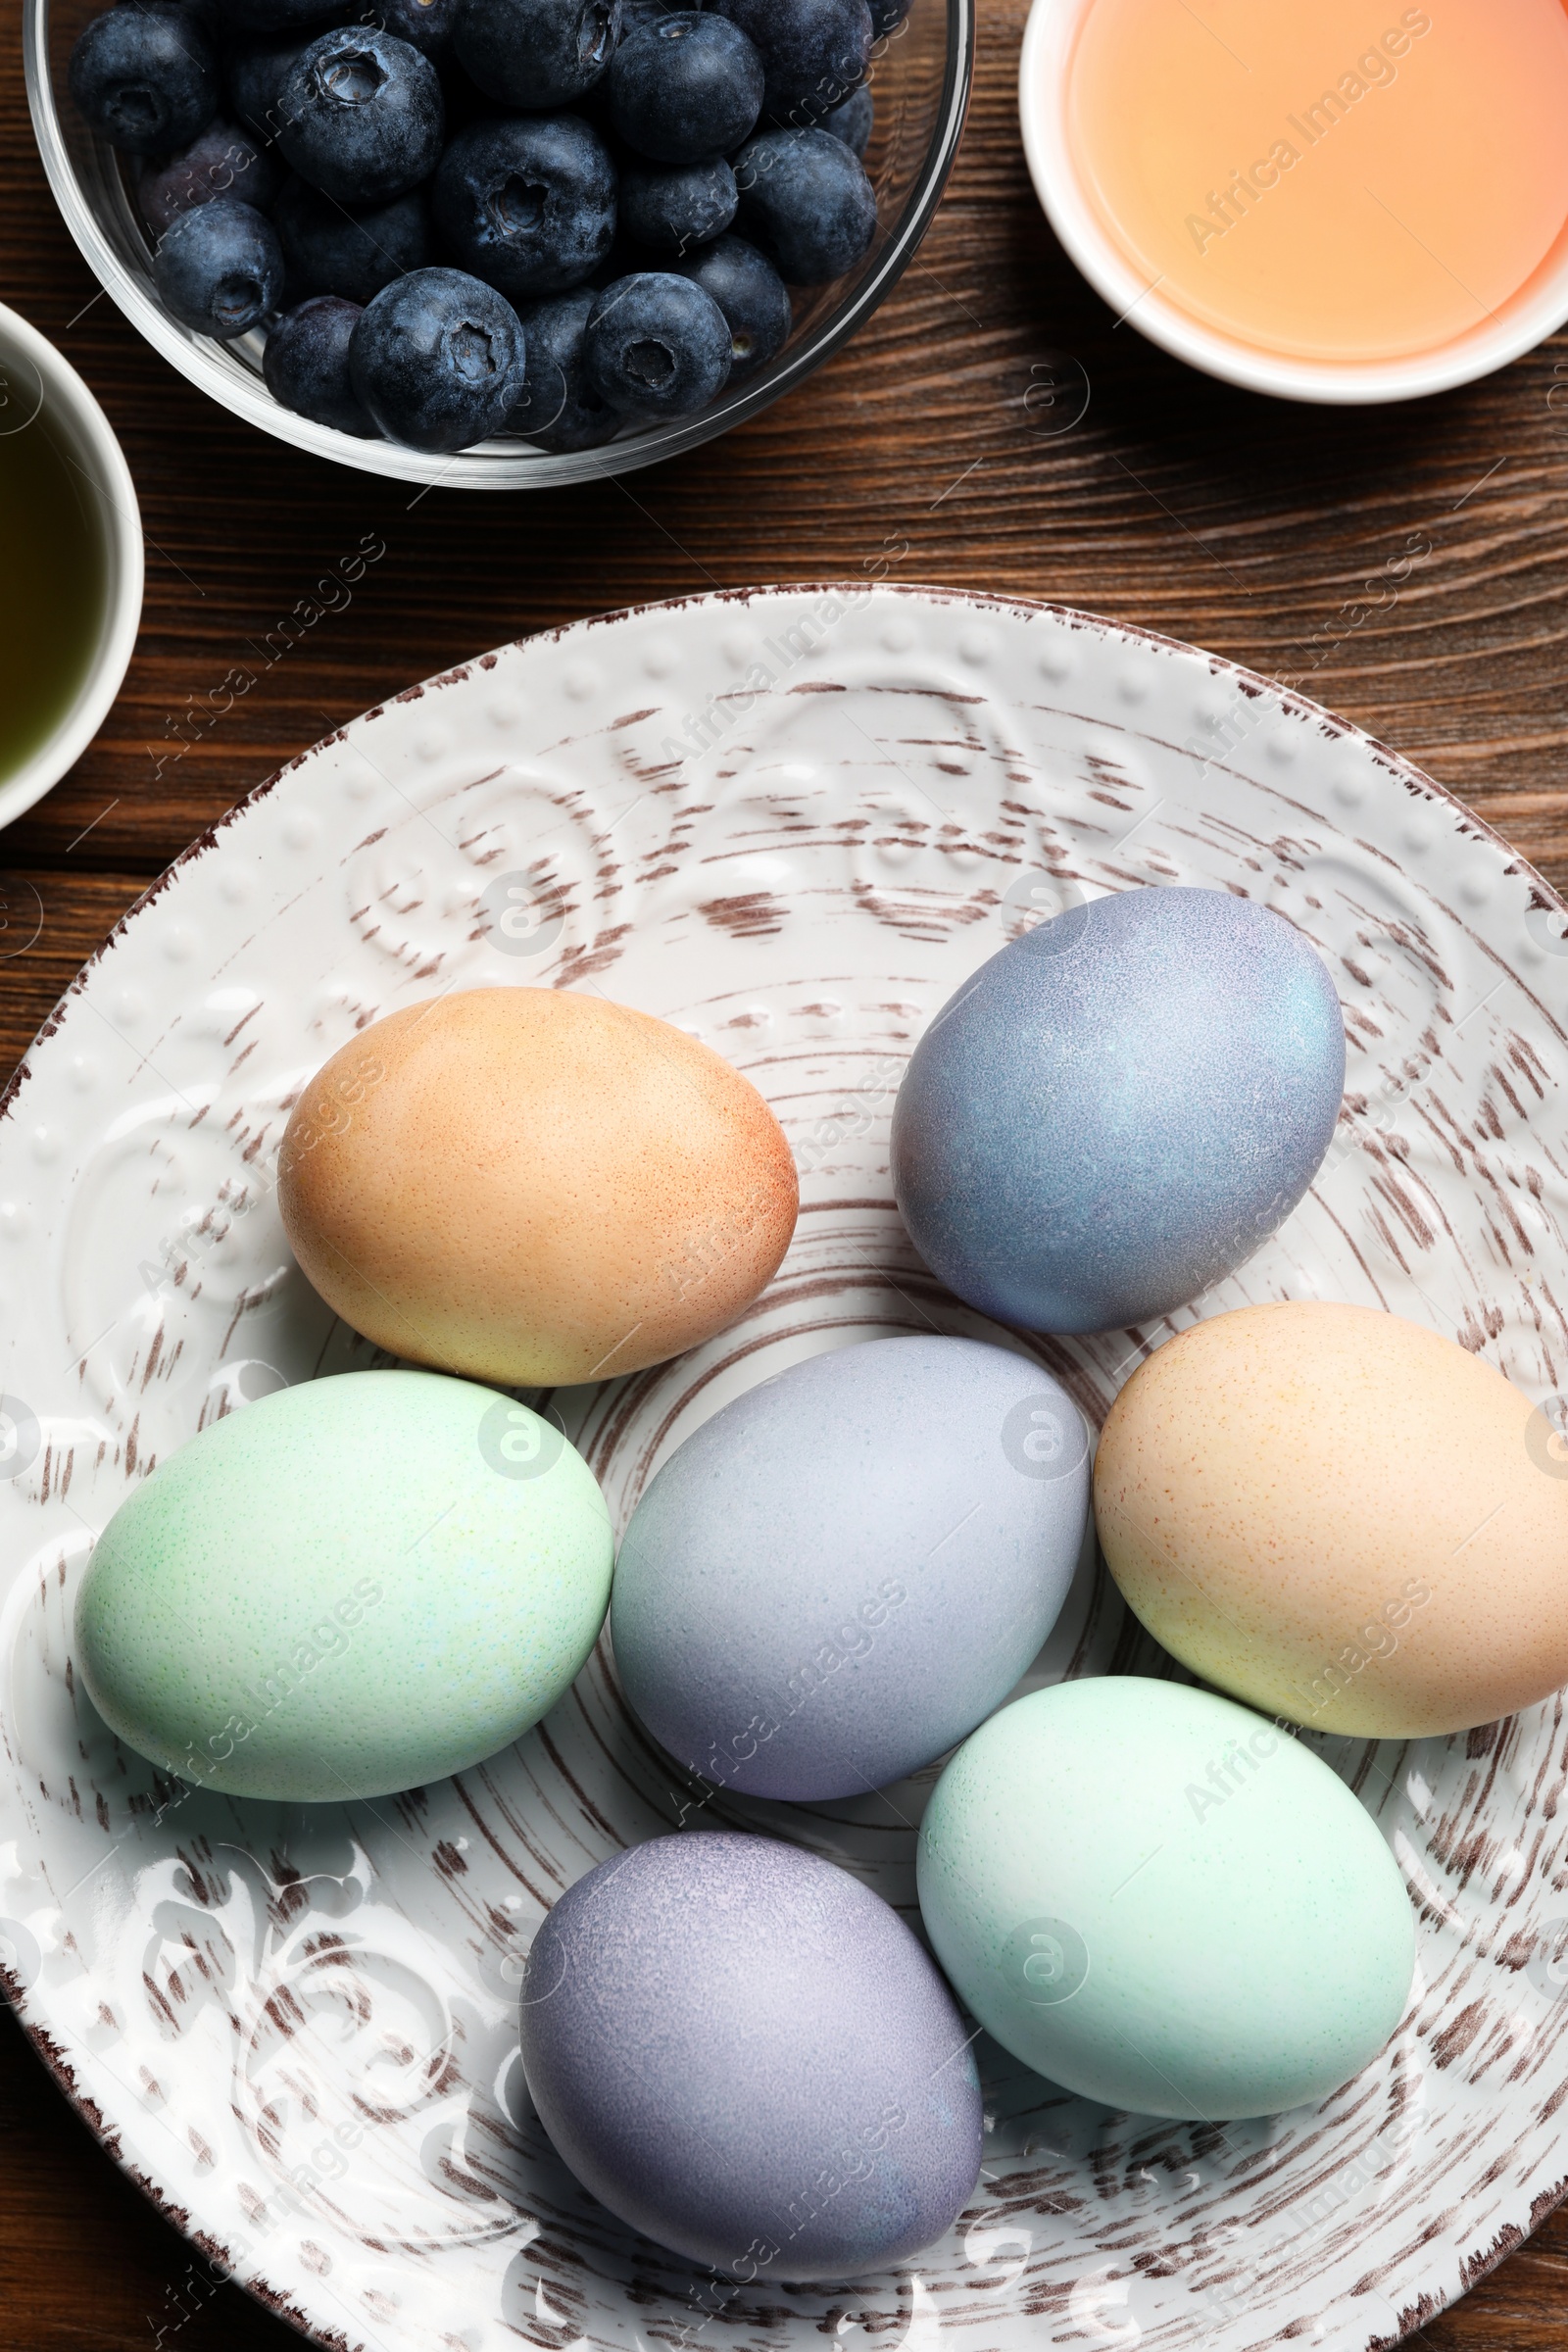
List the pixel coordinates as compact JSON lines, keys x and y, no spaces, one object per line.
{"x":469,"y":216}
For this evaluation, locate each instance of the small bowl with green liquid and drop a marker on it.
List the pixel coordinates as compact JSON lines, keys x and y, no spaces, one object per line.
{"x":72,"y":587}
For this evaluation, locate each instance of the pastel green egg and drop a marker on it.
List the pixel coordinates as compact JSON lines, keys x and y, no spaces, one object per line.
{"x":352,"y":1586}
{"x":1163,"y":1902}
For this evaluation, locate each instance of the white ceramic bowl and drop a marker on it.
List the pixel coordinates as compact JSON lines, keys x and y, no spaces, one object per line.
{"x":37,"y":380}
{"x":1516,"y":326}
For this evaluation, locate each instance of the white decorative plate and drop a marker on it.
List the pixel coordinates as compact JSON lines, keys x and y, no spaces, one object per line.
{"x":792,"y":822}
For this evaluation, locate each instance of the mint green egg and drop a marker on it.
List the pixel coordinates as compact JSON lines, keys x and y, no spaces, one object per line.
{"x":1163,"y":1902}
{"x":352,"y":1586}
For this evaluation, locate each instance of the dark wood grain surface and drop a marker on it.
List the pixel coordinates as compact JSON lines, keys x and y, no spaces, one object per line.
{"x":1173,"y":503}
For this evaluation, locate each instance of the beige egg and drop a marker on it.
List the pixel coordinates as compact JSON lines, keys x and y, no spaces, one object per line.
{"x":1340,"y":1518}
{"x":534,"y":1188}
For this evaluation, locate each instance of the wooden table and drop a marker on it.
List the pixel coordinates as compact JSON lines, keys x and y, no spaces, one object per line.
{"x":1231,"y":521}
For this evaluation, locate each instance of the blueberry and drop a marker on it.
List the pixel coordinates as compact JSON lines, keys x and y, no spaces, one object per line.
{"x":528,"y":205}
{"x":536,"y":53}
{"x":425,"y":25}
{"x":363,"y":118}
{"x":752,"y":297}
{"x":685,"y":87}
{"x":655,"y":346}
{"x":814,"y":53}
{"x":887,"y":16}
{"x":221,"y":160}
{"x":807,"y":202}
{"x":209,"y":15}
{"x":256,"y":73}
{"x":220,"y":268}
{"x":852,"y":121}
{"x":306,"y":365}
{"x":277,"y":16}
{"x":437,"y":358}
{"x":145,"y":79}
{"x":558,"y":408}
{"x":672,"y":210}
{"x":332,"y":250}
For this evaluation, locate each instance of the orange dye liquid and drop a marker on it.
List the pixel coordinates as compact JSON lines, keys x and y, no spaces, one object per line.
{"x":1334,"y":179}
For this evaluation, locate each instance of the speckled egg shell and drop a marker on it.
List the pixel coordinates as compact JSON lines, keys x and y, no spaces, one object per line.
{"x":1161,"y":1901}
{"x":745,"y":2054}
{"x":353,"y":1586}
{"x":1117,"y":1108}
{"x":534,"y":1188}
{"x":841,"y":1572}
{"x":1342,"y":1517}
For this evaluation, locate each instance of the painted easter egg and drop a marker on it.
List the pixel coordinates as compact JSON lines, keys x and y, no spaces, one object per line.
{"x":1164,"y":1902}
{"x":841,"y":1572}
{"x":1115,"y":1111}
{"x":1342,"y":1517}
{"x":534,"y":1188}
{"x":745,"y":2054}
{"x":352,"y":1586}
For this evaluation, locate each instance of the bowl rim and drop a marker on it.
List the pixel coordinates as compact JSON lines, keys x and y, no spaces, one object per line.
{"x":84,"y":421}
{"x":482,"y":466}
{"x":1519,"y":327}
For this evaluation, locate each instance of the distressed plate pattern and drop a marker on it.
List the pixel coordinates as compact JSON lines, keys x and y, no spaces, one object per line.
{"x":791,"y":823}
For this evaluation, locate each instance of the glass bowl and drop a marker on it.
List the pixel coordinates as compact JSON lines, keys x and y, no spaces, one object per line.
{"x":921,"y":82}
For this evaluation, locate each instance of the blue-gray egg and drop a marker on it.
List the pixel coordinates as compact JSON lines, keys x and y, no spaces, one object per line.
{"x":1115,"y":1112}
{"x":842,"y":1572}
{"x":743,"y":2053}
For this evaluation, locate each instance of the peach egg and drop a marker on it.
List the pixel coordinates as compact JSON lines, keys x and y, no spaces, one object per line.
{"x":534,"y":1188}
{"x":1343,"y":1518}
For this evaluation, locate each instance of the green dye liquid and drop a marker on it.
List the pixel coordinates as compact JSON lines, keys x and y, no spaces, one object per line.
{"x":54,"y":585}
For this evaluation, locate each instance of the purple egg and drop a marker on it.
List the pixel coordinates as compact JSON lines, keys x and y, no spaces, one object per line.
{"x":743,"y":2053}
